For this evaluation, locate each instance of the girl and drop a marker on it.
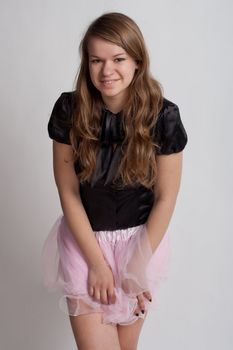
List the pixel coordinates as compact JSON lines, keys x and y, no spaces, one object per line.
{"x":117,"y":158}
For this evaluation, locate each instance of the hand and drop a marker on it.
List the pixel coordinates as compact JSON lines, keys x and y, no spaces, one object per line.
{"x":101,"y":284}
{"x":141,"y":304}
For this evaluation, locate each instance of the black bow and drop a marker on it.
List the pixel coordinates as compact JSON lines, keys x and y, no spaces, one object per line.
{"x":111,"y":128}
{"x":108,"y":159}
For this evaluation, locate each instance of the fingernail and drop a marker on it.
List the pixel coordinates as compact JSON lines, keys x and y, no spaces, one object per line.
{"x":142,"y":311}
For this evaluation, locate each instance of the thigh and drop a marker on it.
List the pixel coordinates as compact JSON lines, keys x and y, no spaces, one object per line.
{"x":90,"y":333}
{"x":129,"y":335}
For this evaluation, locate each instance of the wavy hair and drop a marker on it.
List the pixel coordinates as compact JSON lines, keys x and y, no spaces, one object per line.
{"x":138,"y":163}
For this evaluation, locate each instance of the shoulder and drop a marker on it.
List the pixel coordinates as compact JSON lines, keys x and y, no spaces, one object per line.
{"x":167,"y":107}
{"x":65,"y":102}
{"x":60,"y":120}
{"x":169,"y":131}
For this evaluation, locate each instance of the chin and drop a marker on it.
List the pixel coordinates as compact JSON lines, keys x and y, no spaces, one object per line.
{"x":109,"y":94}
{"x":113,"y":91}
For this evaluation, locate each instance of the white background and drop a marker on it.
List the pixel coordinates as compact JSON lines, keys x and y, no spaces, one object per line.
{"x":190,"y":45}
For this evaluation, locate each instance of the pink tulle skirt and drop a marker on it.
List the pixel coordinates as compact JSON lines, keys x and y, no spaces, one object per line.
{"x":136,"y":269}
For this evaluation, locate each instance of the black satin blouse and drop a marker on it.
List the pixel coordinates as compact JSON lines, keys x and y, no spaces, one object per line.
{"x":108,"y":206}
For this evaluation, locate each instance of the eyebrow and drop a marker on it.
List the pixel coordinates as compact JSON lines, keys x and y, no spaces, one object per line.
{"x":118,"y":54}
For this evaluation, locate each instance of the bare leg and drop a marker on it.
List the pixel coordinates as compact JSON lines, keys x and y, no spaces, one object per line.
{"x":91,"y":334}
{"x":129,"y":335}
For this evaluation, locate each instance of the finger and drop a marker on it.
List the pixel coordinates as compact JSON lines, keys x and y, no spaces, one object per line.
{"x":91,"y":291}
{"x":96,"y":294}
{"x":141,"y":303}
{"x":137,"y":310}
{"x":111,"y":297}
{"x":103,"y":296}
{"x":147,"y":295}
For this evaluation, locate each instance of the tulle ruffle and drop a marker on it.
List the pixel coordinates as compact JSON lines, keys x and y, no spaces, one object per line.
{"x":136,"y":269}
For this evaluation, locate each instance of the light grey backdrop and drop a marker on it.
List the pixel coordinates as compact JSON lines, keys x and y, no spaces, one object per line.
{"x":190,"y":44}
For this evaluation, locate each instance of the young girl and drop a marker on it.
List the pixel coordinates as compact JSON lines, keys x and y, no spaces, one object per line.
{"x":117,"y":158}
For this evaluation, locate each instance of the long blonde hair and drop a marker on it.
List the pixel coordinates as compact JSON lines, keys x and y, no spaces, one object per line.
{"x":138,"y":164}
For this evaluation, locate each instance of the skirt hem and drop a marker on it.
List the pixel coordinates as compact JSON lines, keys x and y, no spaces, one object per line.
{"x":136,"y":269}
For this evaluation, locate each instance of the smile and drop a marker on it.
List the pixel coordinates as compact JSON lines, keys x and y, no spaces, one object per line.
{"x":108,"y":82}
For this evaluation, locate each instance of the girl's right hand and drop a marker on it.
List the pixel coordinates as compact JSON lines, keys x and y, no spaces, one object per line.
{"x":101,"y":283}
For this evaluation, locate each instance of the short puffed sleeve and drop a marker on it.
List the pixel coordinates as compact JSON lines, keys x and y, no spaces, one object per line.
{"x":169,"y":132}
{"x":60,"y":121}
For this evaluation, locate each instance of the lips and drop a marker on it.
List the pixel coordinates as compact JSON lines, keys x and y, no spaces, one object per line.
{"x":109,"y":82}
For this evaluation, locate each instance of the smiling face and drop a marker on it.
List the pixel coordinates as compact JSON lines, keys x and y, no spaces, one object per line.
{"x":111,"y":71}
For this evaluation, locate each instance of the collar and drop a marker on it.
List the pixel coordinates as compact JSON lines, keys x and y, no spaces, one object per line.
{"x":111,"y":127}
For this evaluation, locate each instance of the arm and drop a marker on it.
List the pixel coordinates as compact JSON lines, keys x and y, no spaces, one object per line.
{"x":165,"y":191}
{"x":100,"y":277}
{"x":68,"y":188}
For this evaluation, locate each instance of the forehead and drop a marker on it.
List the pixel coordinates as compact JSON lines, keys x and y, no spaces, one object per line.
{"x":103,"y":48}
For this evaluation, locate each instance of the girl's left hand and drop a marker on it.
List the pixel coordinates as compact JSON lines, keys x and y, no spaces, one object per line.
{"x":141,"y":304}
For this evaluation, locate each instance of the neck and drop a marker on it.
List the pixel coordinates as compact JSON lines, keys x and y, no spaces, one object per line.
{"x":112,"y":105}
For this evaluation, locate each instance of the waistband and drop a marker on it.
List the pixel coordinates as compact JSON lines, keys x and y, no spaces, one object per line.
{"x":117,"y":235}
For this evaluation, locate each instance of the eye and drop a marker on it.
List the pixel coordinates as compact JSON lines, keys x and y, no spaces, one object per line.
{"x":120,"y":59}
{"x":95,"y":61}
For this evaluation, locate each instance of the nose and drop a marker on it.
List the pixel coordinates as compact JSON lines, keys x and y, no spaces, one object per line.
{"x":107,"y":68}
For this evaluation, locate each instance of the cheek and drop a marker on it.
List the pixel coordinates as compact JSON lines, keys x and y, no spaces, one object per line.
{"x":129,"y":72}
{"x":92,"y":73}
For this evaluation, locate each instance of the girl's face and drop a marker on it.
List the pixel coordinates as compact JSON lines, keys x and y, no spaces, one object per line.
{"x":111,"y":70}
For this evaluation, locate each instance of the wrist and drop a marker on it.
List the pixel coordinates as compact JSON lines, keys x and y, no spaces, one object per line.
{"x":96,"y":262}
